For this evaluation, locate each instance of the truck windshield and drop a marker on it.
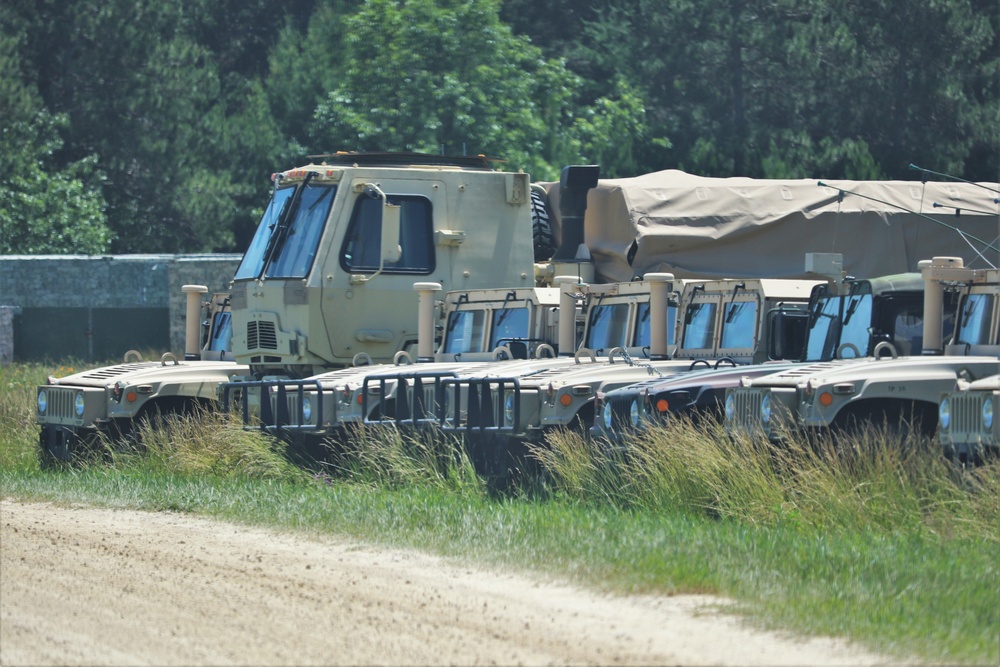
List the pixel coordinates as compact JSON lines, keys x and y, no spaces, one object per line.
{"x":739,"y":325}
{"x":509,"y":324}
{"x":607,"y":326}
{"x":837,"y":321}
{"x":974,"y":321}
{"x":643,"y":330}
{"x":699,"y":326}
{"x":290,"y":231}
{"x":465,"y":331}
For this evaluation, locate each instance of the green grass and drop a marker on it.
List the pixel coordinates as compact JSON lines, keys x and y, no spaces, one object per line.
{"x":879,"y":542}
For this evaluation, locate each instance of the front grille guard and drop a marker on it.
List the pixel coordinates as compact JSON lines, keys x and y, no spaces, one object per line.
{"x":482,"y":412}
{"x":277,"y":417}
{"x":419,"y":399}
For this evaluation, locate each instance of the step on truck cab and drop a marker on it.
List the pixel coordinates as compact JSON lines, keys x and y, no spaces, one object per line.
{"x":901,"y":391}
{"x":76,"y":410}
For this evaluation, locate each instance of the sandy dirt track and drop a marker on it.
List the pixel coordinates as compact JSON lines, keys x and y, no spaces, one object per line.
{"x":110,"y":587}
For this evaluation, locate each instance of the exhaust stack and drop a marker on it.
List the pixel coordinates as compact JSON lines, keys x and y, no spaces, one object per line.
{"x":192,"y":321}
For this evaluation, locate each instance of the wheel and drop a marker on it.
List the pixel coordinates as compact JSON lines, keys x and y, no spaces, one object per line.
{"x":541,"y":227}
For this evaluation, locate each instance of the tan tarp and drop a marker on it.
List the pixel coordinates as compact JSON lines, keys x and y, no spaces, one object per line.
{"x":742,"y":227}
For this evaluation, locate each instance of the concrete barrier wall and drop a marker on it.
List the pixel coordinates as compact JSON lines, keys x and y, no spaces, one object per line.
{"x":93,"y":306}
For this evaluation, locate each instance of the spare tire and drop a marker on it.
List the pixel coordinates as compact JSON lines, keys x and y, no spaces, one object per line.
{"x":541,"y":227}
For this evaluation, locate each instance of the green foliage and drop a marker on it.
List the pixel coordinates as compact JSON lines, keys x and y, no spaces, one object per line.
{"x":172,"y":115}
{"x":46,"y":208}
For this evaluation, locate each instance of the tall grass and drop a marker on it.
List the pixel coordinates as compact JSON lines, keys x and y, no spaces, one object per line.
{"x":872,"y":537}
{"x":872,"y":480}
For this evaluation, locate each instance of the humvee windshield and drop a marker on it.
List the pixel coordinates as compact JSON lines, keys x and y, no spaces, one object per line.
{"x":974,"y":320}
{"x":509,"y":324}
{"x":643,"y":330}
{"x":739,"y":325}
{"x":288,"y":233}
{"x":608,"y":326}
{"x":699,"y":326}
{"x":837,"y":321}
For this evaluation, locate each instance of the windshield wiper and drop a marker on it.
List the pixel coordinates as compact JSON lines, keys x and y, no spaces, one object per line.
{"x":285,"y":220}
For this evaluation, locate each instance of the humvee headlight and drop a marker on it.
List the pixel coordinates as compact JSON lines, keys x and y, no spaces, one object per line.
{"x":43,"y":402}
{"x":508,"y":408}
{"x":944,"y":413}
{"x":765,"y":409}
{"x":634,"y":413}
{"x":307,"y":408}
{"x":607,"y":416}
{"x":730,"y":407}
{"x":78,"y":404}
{"x":988,"y":414}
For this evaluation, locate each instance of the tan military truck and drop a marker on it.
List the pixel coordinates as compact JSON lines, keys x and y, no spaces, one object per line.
{"x":78,"y":409}
{"x":901,"y":391}
{"x":330,"y":271}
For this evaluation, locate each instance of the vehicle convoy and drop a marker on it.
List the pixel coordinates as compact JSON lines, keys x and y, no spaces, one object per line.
{"x":329,"y":272}
{"x":75,"y":410}
{"x":519,"y":331}
{"x":968,"y":428}
{"x":846,"y":318}
{"x":900,"y":392}
{"x":497,"y":412}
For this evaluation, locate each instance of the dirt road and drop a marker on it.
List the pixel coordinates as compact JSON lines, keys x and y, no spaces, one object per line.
{"x":90,"y":586}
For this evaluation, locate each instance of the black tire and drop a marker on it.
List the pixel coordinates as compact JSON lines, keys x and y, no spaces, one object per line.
{"x":541,"y":227}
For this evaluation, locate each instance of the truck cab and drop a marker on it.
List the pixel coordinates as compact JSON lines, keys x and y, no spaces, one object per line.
{"x":329,"y":273}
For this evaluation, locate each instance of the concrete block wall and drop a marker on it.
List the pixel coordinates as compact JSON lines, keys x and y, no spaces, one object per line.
{"x":131,"y":283}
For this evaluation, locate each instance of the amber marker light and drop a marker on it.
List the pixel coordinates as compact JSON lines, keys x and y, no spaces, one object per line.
{"x":826,"y":399}
{"x":662,"y":405}
{"x":130,"y":397}
{"x":565,"y":400}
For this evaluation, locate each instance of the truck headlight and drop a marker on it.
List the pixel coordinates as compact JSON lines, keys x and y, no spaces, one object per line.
{"x":78,"y":404}
{"x":508,"y":408}
{"x":634,"y":413}
{"x":944,"y":413}
{"x":730,"y":407}
{"x":765,"y":409}
{"x":988,"y":414}
{"x":307,"y":408}
{"x":43,"y":401}
{"x":607,"y":416}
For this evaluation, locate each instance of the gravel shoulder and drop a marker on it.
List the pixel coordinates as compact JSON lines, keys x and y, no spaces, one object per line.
{"x":84,"y":586}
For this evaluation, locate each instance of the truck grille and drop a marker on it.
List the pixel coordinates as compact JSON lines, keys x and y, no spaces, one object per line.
{"x":966,"y":414}
{"x":261,"y":335}
{"x":621,"y":413}
{"x":746,"y":402}
{"x":60,"y":403}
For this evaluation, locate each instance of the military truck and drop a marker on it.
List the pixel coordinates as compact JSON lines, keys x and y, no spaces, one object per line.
{"x":899,"y":392}
{"x":968,"y":429}
{"x":76,"y":410}
{"x":880,"y":310}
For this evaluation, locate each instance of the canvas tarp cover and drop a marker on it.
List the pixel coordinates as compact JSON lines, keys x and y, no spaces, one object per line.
{"x":693,"y":226}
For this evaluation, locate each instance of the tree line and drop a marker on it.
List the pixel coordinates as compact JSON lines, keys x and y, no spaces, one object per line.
{"x":153,"y":125}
